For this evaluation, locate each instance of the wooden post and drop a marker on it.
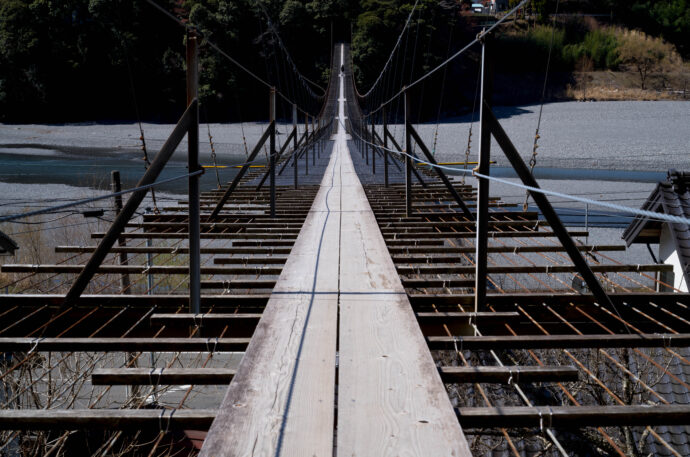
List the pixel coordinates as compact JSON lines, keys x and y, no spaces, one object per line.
{"x":117,"y":187}
{"x":373,"y":150}
{"x":385,"y":149}
{"x":313,"y":143}
{"x":272,"y":151}
{"x":408,"y":151}
{"x":484,"y":166}
{"x":294,"y":140}
{"x":306,"y":144}
{"x":193,"y":165}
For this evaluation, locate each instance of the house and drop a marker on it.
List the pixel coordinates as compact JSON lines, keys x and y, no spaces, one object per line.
{"x":669,"y":197}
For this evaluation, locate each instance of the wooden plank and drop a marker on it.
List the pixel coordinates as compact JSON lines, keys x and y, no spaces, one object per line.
{"x":161,"y":376}
{"x":116,"y":419}
{"x":141,"y":269}
{"x":574,"y":416}
{"x":510,"y":301}
{"x":281,"y":401}
{"x":647,"y":340}
{"x":184,"y":319}
{"x":8,"y":344}
{"x":514,"y":269}
{"x":391,"y":400}
{"x":508,"y":374}
{"x":106,"y":300}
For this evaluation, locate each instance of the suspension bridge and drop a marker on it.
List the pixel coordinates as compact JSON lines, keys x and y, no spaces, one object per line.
{"x":350,"y":299}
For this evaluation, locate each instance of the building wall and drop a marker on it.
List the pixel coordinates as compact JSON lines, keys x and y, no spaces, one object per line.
{"x":669,"y":256}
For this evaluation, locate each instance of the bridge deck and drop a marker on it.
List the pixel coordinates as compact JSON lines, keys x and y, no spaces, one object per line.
{"x":390,"y":398}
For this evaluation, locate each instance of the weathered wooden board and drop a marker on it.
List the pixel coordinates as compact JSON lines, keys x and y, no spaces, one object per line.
{"x":391,"y":400}
{"x":281,"y":401}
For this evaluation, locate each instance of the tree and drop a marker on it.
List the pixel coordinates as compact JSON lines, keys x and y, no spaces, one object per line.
{"x":644,"y":54}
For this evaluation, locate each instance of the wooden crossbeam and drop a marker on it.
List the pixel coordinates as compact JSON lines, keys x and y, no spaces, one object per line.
{"x":176,"y":320}
{"x":398,"y":251}
{"x":142,"y":269}
{"x":449,"y":317}
{"x":214,"y":235}
{"x":514,"y":269}
{"x":509,"y":301}
{"x":123,"y":344}
{"x":116,"y":419}
{"x":175,"y":250}
{"x":560,"y":341}
{"x":161,"y":376}
{"x":452,"y":235}
{"x":105,"y":300}
{"x":508,"y":374}
{"x":573,"y":416}
{"x":239,"y":284}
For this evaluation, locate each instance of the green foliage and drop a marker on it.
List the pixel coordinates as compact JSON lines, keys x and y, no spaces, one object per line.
{"x":599,"y":45}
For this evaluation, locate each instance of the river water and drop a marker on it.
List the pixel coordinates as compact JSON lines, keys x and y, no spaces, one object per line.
{"x":612,"y":151}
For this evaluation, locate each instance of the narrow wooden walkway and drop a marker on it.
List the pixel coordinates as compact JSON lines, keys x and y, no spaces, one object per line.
{"x":339,"y":300}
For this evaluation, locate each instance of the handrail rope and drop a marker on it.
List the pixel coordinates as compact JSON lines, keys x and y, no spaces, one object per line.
{"x":621,"y":208}
{"x":478,"y":39}
{"x":202,"y":34}
{"x":533,"y":159}
{"x":13,"y":217}
{"x":390,"y":57}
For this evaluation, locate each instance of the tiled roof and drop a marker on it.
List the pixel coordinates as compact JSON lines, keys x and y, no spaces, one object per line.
{"x":669,"y":197}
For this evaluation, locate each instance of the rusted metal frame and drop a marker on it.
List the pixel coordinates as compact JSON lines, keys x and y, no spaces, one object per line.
{"x":150,"y":176}
{"x":238,"y":284}
{"x":280,"y":153}
{"x":235,"y":182}
{"x":545,"y":207}
{"x":397,"y":147}
{"x":589,"y":373}
{"x":449,"y":186}
{"x":615,"y":362}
